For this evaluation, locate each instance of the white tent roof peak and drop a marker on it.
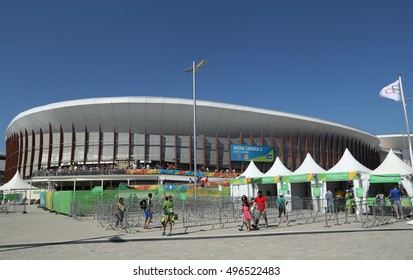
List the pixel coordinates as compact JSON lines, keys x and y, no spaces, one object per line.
{"x":309,"y":166}
{"x":252,"y":171}
{"x":348,"y":163}
{"x":392,"y":164}
{"x":278,"y":169}
{"x":16,"y":183}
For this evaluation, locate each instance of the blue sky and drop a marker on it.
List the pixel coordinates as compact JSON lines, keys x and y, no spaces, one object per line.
{"x":323,"y":59}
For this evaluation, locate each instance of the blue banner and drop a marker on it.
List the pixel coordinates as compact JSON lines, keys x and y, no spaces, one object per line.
{"x":255,"y":153}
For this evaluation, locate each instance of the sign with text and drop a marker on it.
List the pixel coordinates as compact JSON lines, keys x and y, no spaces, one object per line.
{"x":389,"y":178}
{"x":255,"y":153}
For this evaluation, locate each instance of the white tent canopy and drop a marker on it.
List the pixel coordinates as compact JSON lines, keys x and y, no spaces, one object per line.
{"x":348,"y":163}
{"x":16,"y":183}
{"x":278,"y":169}
{"x":252,"y":171}
{"x":309,"y":166}
{"x":392,"y":164}
{"x":247,"y":189}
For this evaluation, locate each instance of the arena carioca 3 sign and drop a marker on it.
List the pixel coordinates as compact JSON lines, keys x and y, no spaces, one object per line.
{"x":255,"y":153}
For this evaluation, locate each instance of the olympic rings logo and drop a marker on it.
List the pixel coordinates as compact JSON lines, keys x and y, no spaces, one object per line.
{"x":394,"y":89}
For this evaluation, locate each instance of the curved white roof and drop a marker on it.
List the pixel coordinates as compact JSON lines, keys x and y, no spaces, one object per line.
{"x":171,"y":115}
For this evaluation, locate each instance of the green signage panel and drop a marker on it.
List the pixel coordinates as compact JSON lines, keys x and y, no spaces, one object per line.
{"x":183,"y":195}
{"x":317,"y":191}
{"x":341,"y":176}
{"x":389,"y":178}
{"x":284,"y":187}
{"x":298,"y":178}
{"x":359,"y":192}
{"x":267,"y":180}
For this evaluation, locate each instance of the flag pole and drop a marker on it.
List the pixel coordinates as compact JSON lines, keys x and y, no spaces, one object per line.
{"x":407,"y":122}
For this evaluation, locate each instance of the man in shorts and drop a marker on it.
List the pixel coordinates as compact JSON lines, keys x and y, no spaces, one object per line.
{"x":395,"y":195}
{"x":261,"y":209}
{"x":148,"y":212}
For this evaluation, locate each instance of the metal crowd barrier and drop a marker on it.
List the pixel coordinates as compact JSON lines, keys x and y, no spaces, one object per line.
{"x":13,"y":208}
{"x":75,"y":211}
{"x":213,"y":213}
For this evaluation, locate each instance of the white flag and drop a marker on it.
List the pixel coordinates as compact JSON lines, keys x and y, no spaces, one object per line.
{"x":392,"y":91}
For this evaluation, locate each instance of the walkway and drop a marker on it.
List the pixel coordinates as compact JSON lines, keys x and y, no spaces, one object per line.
{"x":41,"y":235}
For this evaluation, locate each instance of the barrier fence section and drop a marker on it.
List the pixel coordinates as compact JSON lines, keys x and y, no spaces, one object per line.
{"x":13,"y":208}
{"x":212,"y":213}
{"x":220,"y":212}
{"x":368,"y":213}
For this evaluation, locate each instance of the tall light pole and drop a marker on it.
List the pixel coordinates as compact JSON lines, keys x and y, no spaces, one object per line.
{"x":193,"y":69}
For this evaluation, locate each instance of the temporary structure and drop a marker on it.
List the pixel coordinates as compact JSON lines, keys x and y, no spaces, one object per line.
{"x":393,"y":170}
{"x":348,"y":163}
{"x":309,"y":166}
{"x":347,"y":169}
{"x":303,"y":182}
{"x":273,"y":176}
{"x":243,"y":185}
{"x":278,"y":169}
{"x":252,"y":171}
{"x":16,"y":183}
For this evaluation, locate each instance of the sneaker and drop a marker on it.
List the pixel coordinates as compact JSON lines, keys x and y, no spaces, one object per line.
{"x":163,"y":233}
{"x":169,"y":234}
{"x":240,"y":229}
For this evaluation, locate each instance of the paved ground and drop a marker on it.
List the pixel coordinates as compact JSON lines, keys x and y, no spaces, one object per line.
{"x":41,"y":235}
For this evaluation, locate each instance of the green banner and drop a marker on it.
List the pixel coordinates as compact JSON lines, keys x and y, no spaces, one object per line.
{"x":284,"y":187}
{"x":267,"y":180}
{"x":339,"y":176}
{"x":241,"y":181}
{"x":298,"y":178}
{"x":388,"y":178}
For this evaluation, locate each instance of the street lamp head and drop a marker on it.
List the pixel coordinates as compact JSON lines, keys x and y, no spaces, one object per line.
{"x":197,"y":66}
{"x":200,"y":64}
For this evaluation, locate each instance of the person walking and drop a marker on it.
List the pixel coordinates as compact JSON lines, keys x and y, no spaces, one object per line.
{"x":120,"y":212}
{"x":247,"y":214}
{"x":282,"y":203}
{"x":168,"y":217}
{"x":261,"y":210}
{"x":148,"y":212}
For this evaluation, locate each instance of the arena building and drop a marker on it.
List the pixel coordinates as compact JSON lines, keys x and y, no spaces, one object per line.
{"x":2,"y":167}
{"x":120,"y":133}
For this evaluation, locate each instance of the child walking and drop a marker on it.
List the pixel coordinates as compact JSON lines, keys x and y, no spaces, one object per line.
{"x":247,"y":213}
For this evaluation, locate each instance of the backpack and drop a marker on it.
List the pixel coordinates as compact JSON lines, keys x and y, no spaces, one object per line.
{"x":143,"y":203}
{"x":328,"y":196}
